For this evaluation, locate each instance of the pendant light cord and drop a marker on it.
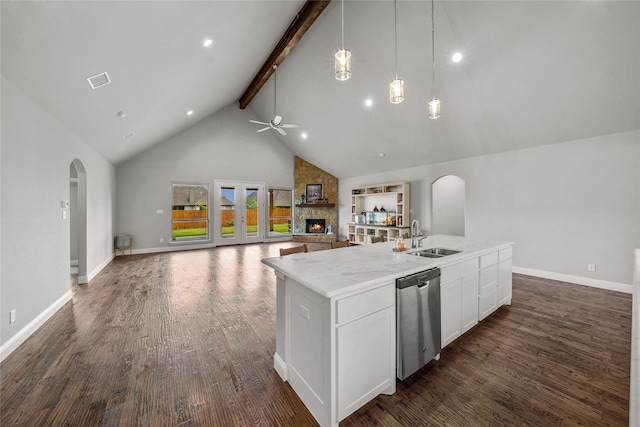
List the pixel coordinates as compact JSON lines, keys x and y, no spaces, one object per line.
{"x":275,"y":88}
{"x":395,"y":26}
{"x":343,"y":25}
{"x":433,"y":51}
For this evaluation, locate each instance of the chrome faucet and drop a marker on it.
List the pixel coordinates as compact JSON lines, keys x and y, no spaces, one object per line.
{"x":416,"y":234}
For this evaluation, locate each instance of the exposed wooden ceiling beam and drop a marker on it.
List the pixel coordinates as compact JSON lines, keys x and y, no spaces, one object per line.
{"x":298,"y":27}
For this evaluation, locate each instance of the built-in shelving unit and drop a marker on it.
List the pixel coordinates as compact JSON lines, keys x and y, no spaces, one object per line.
{"x":393,"y":197}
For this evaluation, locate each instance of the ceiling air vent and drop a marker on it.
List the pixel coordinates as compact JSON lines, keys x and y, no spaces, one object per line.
{"x":99,"y":80}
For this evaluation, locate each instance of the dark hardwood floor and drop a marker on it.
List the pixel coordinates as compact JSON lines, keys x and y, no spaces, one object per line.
{"x":187,"y":339}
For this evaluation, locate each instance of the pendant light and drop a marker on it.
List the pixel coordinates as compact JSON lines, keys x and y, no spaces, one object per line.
{"x":343,"y":57}
{"x":396,"y":87}
{"x":434,"y":104}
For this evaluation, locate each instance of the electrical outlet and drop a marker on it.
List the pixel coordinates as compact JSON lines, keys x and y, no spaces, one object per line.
{"x":591,"y":267}
{"x":12,"y":316}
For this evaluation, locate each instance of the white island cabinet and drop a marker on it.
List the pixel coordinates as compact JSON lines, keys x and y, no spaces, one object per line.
{"x":343,"y":347}
{"x":458,"y":299}
{"x":336,"y":316}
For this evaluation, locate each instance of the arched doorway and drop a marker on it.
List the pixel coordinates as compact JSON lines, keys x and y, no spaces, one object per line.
{"x":448,"y":206}
{"x":78,"y":219}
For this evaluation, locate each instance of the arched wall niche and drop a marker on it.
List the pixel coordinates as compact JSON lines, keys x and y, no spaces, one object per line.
{"x":448,"y":212}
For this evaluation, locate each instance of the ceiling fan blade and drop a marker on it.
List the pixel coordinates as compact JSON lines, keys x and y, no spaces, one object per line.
{"x":281,"y":131}
{"x":277,"y":120}
{"x":263,"y":129}
{"x":259,"y":123}
{"x":290,"y":126}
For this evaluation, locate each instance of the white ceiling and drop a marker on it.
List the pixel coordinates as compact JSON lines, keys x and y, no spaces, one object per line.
{"x":533,"y":73}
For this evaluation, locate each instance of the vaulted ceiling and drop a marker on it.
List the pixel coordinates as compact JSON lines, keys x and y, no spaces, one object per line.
{"x":532,"y":73}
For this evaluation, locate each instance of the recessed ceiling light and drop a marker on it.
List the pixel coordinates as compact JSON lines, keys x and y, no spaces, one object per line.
{"x":381,"y":155}
{"x":121,"y":114}
{"x":207,"y":42}
{"x":190,"y":112}
{"x":304,"y":135}
{"x":457,"y":57}
{"x":368,"y":102}
{"x":127,"y":136}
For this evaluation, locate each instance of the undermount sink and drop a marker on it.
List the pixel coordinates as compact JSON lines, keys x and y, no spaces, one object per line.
{"x":435,"y":252}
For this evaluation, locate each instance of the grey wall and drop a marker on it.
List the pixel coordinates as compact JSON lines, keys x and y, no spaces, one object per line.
{"x":222,"y":146}
{"x":564,"y":205}
{"x":36,"y":153}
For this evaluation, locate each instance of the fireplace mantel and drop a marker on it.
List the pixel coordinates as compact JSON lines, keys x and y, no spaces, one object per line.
{"x":316,"y":205}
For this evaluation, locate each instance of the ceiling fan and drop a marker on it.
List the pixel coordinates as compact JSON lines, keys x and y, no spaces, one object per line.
{"x":276,"y":123}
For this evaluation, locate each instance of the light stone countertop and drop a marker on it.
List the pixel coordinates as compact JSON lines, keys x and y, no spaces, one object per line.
{"x":338,"y":272}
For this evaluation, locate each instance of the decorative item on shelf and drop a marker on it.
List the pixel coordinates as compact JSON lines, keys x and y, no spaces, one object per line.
{"x":382,"y":208}
{"x":375,"y":208}
{"x":322,"y":201}
{"x":302,"y":198}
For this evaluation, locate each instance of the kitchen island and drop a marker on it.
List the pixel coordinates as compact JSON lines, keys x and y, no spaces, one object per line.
{"x":336,"y":314}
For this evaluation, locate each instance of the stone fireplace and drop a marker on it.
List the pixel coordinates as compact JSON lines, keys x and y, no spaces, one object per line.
{"x":314,"y":225}
{"x":324,"y":212}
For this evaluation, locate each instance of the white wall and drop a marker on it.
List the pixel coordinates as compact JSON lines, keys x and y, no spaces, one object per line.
{"x":36,"y":154}
{"x":564,"y":205}
{"x":222,"y":146}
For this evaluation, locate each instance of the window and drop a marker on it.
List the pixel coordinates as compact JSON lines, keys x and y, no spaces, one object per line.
{"x":280,"y":203}
{"x":189,"y":212}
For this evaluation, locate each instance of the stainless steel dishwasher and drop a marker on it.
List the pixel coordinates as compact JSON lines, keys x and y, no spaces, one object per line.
{"x":418,"y":320}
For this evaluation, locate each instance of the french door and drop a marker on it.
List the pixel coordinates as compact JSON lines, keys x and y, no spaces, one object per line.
{"x":239,"y":212}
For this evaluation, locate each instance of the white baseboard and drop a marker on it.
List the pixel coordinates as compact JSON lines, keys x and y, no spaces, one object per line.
{"x":14,"y":342}
{"x":578,"y":280}
{"x":172,"y":248}
{"x":280,"y":367}
{"x":98,"y":269}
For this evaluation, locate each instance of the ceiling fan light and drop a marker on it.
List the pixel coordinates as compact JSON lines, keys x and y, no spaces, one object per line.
{"x":434,"y":108}
{"x":396,"y":91}
{"x":343,"y":64}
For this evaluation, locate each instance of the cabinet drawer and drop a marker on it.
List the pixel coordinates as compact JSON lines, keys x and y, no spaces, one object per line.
{"x":367,"y":302}
{"x":488,"y":279}
{"x":505,"y":254}
{"x":488,"y":259}
{"x":487,"y":303}
{"x":452,"y":272}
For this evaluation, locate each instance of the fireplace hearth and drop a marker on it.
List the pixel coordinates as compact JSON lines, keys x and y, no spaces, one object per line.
{"x":315,"y":225}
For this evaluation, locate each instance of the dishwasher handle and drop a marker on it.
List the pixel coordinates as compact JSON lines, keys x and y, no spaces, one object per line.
{"x":424,"y":284}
